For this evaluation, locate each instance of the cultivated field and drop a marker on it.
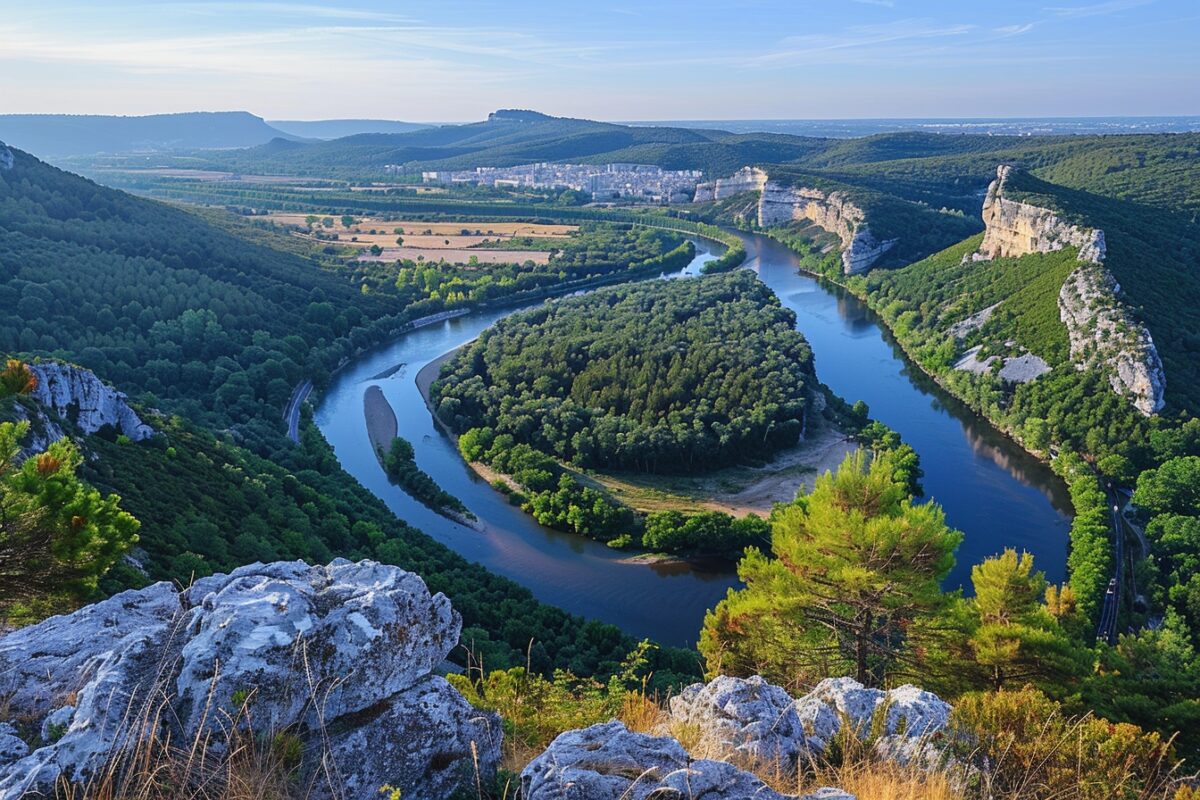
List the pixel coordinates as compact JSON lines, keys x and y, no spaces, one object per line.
{"x":433,"y":241}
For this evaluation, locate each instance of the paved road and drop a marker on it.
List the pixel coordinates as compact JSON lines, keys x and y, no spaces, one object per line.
{"x":1107,"y":629}
{"x":291,"y":414}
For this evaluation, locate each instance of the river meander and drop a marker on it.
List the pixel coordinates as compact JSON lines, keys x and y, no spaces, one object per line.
{"x":992,"y":490}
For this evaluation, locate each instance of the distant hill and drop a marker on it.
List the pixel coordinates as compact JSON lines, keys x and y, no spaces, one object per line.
{"x":56,"y":135}
{"x":337,"y":128}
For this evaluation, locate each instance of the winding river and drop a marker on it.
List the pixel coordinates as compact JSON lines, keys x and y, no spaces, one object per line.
{"x":993,"y":491}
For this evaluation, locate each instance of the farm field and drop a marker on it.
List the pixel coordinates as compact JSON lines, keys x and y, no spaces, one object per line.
{"x":456,"y":242}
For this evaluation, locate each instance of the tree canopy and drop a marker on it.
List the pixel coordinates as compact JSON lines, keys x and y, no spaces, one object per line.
{"x":851,"y":566}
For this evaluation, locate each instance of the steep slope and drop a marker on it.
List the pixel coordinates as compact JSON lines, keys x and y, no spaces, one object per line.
{"x":57,"y":135}
{"x":1103,"y":334}
{"x":165,"y":305}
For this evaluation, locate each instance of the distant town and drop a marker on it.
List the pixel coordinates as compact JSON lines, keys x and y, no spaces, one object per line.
{"x":644,"y":183}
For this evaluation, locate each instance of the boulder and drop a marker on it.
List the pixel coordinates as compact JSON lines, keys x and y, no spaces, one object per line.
{"x":608,"y":762}
{"x":308,"y":643}
{"x":339,"y":656}
{"x":747,"y":717}
{"x":427,"y":742}
{"x":909,"y":712}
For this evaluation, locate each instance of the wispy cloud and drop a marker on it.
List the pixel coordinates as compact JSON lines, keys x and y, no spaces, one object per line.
{"x":1095,"y":9}
{"x":1014,"y":30}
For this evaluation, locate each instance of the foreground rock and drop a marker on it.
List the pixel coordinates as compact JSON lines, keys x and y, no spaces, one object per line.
{"x":608,"y":762}
{"x":748,"y":719}
{"x":337,"y":658}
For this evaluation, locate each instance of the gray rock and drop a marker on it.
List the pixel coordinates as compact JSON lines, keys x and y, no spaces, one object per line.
{"x":746,"y":717}
{"x":6,"y":157}
{"x":309,"y":643}
{"x":56,"y":722}
{"x":608,"y":762}
{"x":114,"y":688}
{"x":340,"y":655}
{"x":76,"y":394}
{"x":909,"y":713}
{"x":43,"y":666}
{"x":833,"y":702}
{"x":12,"y":747}
{"x":427,"y":742}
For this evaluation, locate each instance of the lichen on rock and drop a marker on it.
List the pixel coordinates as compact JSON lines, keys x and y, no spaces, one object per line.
{"x":338,"y":656}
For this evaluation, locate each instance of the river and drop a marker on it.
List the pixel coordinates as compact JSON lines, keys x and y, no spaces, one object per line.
{"x":991,"y":489}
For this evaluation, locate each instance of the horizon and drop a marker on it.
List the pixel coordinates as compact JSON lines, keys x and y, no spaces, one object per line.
{"x":763,"y":60}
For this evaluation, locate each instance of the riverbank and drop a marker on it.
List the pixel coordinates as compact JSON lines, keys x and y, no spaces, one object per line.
{"x":906,"y":348}
{"x":382,"y":430}
{"x":737,"y":490}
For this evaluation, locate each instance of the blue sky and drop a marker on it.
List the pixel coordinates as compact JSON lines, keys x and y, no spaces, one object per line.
{"x":623,"y":59}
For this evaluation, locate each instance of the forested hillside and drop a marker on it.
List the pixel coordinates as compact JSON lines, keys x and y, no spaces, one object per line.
{"x":172,"y":309}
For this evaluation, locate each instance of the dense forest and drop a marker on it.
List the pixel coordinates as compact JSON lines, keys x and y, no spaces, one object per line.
{"x":678,"y":375}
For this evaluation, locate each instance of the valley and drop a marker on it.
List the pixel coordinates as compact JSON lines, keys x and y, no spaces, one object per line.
{"x":904,"y":407}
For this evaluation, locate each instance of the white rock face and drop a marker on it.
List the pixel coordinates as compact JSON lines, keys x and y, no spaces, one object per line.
{"x":373,"y":629}
{"x":1017,"y":229}
{"x":6,"y":157}
{"x":76,"y":394}
{"x":744,"y":716}
{"x":1103,"y":334}
{"x":608,"y":762}
{"x":341,"y":654}
{"x":833,"y":211}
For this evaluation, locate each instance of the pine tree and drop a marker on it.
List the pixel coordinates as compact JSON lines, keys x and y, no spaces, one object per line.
{"x":855,"y":563}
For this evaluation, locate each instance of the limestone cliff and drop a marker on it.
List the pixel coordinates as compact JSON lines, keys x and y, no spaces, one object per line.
{"x":1102,"y":332}
{"x":833,"y":211}
{"x":1104,"y":335}
{"x":75,"y":397}
{"x":1014,"y":228}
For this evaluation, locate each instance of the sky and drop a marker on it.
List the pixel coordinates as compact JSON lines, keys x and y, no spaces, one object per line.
{"x":450,"y":60}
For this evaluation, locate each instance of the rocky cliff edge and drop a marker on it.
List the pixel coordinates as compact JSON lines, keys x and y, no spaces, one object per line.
{"x":834,"y":211}
{"x":1102,"y":332}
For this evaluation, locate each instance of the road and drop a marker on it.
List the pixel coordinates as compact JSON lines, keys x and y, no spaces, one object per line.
{"x":291,"y":414}
{"x":1107,"y":629}
{"x":1123,"y":530}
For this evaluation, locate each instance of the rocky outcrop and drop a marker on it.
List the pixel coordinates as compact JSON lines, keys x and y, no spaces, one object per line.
{"x":1015,"y":229}
{"x":6,"y":157}
{"x":1103,"y":334}
{"x":732,"y":723}
{"x":338,"y":657}
{"x":608,"y":762}
{"x":832,"y":211}
{"x":77,"y":396}
{"x":748,"y":718}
